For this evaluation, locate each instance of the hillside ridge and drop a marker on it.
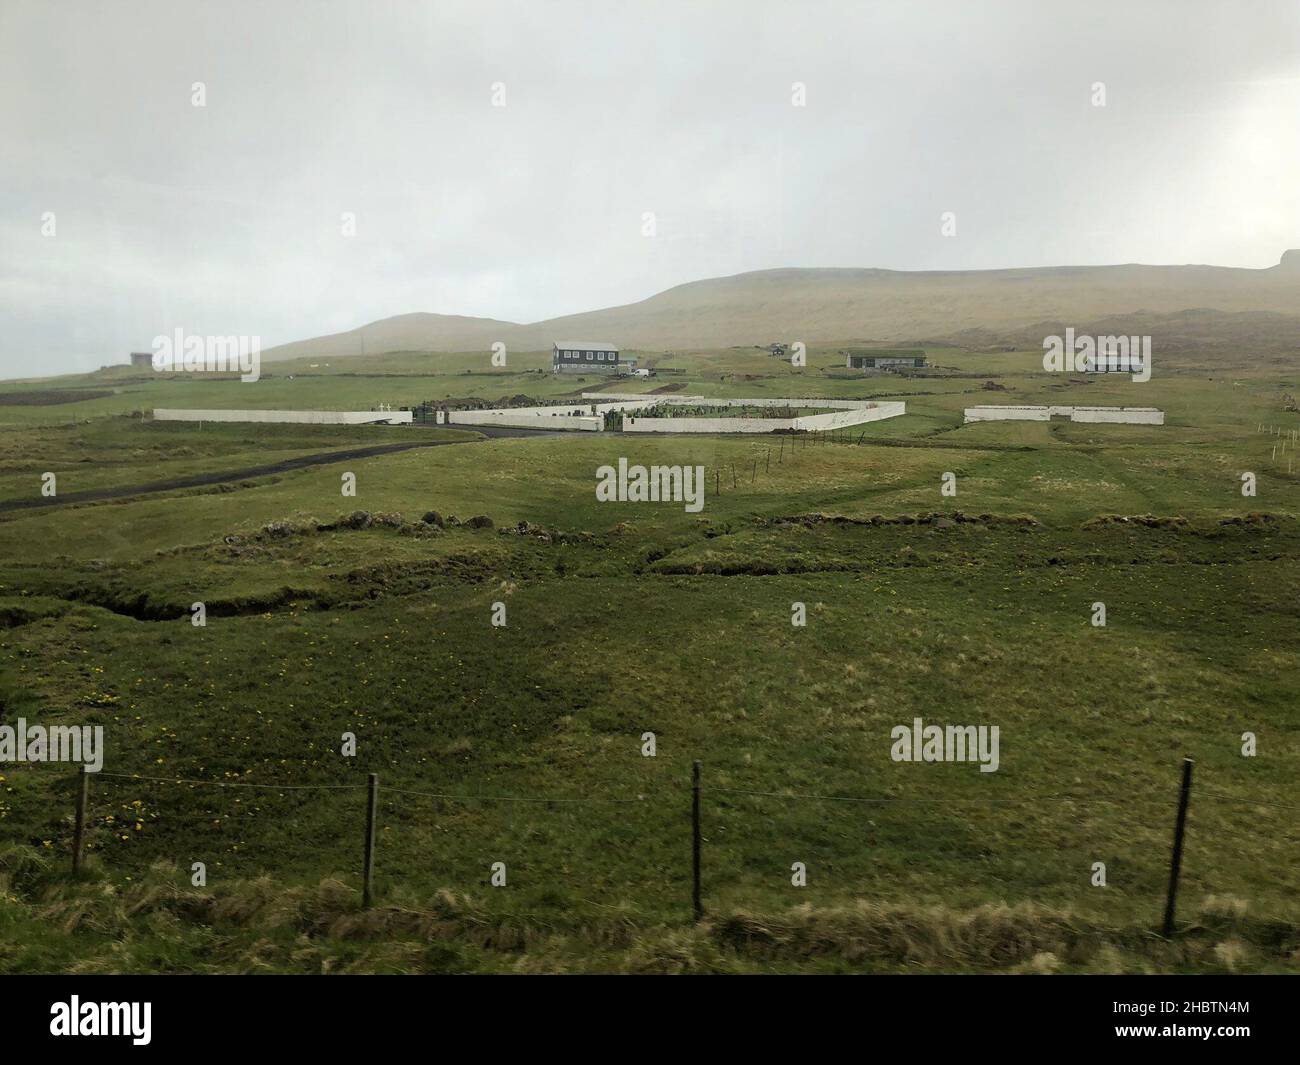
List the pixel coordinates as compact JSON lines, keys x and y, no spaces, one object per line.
{"x":828,"y":304}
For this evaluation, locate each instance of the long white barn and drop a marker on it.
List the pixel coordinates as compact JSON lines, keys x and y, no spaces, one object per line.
{"x":311,"y":417}
{"x":1127,"y":415}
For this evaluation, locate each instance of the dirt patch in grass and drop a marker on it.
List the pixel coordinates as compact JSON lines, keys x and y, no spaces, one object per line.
{"x":51,"y":397}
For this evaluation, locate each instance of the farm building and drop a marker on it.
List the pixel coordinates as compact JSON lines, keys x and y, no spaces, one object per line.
{"x":287,"y":417}
{"x":585,"y":356}
{"x":868,"y":359}
{"x":1130,"y":415}
{"x":142,"y":360}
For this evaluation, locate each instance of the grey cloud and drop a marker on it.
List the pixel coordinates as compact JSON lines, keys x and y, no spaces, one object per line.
{"x":226,"y":219}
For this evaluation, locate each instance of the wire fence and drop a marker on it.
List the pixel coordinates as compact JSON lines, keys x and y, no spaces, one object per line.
{"x":670,"y":803}
{"x":785,"y":448}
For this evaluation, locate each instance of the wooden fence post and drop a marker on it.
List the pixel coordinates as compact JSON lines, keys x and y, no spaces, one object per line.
{"x":372,"y":802}
{"x":1176,"y":860}
{"x":79,"y":832}
{"x":695,"y":842}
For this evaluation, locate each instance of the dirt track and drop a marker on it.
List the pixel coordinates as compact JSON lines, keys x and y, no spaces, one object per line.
{"x":95,"y":495}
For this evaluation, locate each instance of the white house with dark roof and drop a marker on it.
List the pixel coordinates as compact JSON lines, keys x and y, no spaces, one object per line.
{"x":585,"y":356}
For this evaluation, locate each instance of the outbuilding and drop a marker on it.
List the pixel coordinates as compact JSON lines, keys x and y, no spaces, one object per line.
{"x":584,"y":356}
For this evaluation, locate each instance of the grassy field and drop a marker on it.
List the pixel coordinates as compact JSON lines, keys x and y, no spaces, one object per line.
{"x":523,"y":743}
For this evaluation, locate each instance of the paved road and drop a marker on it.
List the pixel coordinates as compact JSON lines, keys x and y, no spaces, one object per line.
{"x":93,"y":495}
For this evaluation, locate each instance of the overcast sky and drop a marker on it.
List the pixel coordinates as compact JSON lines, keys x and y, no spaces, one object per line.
{"x":226,"y":219}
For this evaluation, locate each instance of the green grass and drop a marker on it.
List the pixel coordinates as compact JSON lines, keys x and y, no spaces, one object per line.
{"x":628,"y":618}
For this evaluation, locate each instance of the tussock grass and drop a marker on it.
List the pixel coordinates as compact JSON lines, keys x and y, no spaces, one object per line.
{"x":263,"y":925}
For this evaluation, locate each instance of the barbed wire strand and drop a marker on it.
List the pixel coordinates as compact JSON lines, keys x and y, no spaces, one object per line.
{"x":753,"y":792}
{"x":231,"y":783}
{"x":1224,"y":797}
{"x":510,"y":798}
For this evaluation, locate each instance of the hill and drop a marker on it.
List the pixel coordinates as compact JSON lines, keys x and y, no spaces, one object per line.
{"x":832,"y":305}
